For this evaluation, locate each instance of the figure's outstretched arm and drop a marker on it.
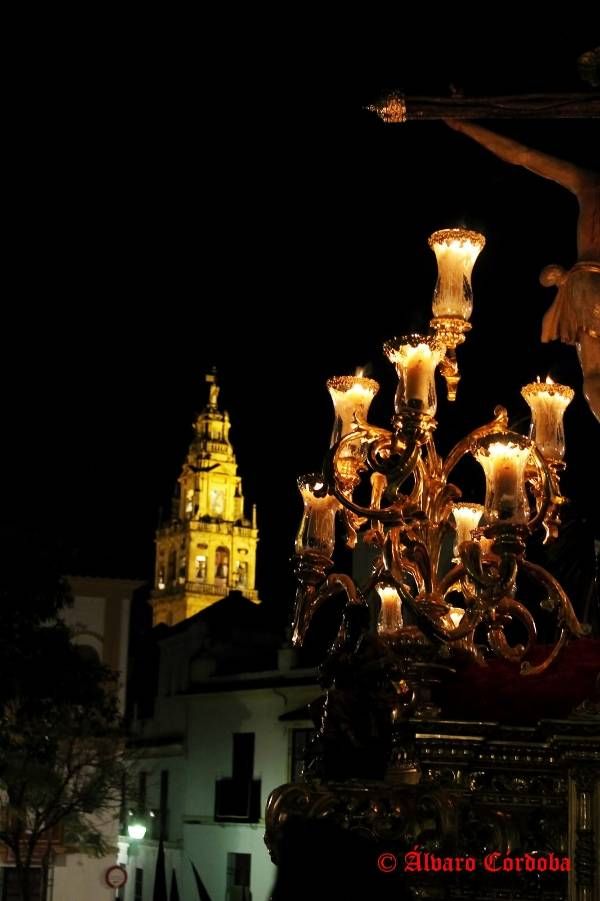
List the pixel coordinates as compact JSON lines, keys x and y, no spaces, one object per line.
{"x":566,"y":174}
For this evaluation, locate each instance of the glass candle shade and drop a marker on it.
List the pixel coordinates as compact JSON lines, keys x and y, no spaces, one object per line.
{"x":548,"y":402}
{"x":317,"y":528}
{"x":456,"y":250}
{"x":503,"y":457}
{"x":390,"y":613}
{"x":466,"y":519}
{"x":415,"y":358}
{"x":351,"y":396}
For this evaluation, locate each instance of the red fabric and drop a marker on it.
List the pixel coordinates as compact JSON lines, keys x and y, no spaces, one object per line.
{"x":498,"y":692}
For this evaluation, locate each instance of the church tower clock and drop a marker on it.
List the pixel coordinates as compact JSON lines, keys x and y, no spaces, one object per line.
{"x":208,"y":547}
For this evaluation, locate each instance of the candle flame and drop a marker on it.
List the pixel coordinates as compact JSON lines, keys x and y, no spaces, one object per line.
{"x":505,"y":450}
{"x":388,"y":593}
{"x":390,"y":614}
{"x":359,"y":372}
{"x":549,"y":381}
{"x":455,"y":615}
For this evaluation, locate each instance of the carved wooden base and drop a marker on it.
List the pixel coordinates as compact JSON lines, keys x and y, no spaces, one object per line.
{"x":528,"y":793}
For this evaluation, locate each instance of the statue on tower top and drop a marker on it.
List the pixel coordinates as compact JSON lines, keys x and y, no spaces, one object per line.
{"x":213,"y":397}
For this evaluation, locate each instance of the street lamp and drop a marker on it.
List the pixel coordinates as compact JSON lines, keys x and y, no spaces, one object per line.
{"x":136,"y":827}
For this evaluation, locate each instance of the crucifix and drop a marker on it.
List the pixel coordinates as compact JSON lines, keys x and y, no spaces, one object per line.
{"x":574,"y":317}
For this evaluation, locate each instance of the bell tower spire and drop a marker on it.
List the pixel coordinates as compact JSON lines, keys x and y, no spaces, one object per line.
{"x":209,"y":546}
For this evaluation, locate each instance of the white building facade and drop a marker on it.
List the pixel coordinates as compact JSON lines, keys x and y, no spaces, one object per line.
{"x":99,"y":618}
{"x":208,"y":759}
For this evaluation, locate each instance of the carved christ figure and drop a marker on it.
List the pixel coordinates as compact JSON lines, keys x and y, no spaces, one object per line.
{"x":574,"y":316}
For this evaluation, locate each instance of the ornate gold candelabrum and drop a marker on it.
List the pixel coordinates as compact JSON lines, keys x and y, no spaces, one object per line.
{"x":429,"y":611}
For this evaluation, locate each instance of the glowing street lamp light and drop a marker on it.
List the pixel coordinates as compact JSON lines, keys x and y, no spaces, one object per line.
{"x":136,"y":827}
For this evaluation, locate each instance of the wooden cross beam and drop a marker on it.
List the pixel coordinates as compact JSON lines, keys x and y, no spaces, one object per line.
{"x":397,"y":108}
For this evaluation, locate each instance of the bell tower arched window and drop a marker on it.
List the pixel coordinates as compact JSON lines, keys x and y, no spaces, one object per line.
{"x":221,"y":567}
{"x":171,"y":571}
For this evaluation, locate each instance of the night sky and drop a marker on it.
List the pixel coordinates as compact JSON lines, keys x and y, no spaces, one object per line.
{"x":254,"y":217}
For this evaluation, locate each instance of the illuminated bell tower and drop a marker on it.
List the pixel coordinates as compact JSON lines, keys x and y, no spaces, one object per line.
{"x":208,"y":547}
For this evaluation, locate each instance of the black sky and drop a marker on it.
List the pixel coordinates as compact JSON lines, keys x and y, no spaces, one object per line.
{"x":249,"y":214}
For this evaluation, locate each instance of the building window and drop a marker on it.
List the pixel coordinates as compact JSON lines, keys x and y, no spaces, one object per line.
{"x":221,"y":567}
{"x":238,"y":877}
{"x":138,"y":886}
{"x":160,"y":570}
{"x":238,"y":797}
{"x":171,"y":571}
{"x":300,"y":741}
{"x":201,"y":568}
